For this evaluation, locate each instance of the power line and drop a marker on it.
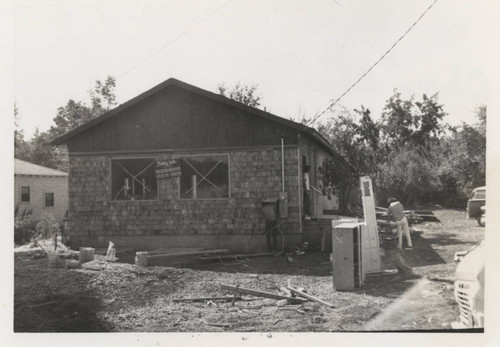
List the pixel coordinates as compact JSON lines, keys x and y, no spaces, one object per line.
{"x":175,"y":39}
{"x":375,"y":64}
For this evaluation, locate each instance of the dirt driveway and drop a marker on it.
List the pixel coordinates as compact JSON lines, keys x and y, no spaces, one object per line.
{"x":124,"y":297}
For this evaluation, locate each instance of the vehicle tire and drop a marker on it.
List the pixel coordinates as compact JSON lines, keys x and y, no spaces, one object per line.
{"x":481,"y":220}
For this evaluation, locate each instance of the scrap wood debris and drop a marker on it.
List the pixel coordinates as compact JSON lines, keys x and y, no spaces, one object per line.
{"x":309,"y":297}
{"x":297,"y":295}
{"x":260,"y":293}
{"x":228,"y":298}
{"x":413,"y":216}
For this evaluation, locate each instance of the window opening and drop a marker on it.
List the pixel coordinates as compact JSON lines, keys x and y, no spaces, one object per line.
{"x":133,"y":179}
{"x":49,"y":199}
{"x":25,"y":194}
{"x":204,"y":177}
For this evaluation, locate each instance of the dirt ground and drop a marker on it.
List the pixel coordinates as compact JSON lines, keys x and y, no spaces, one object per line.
{"x":127,"y":298}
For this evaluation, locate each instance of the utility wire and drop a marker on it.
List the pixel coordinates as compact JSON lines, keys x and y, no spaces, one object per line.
{"x":371,"y":68}
{"x":175,"y":39}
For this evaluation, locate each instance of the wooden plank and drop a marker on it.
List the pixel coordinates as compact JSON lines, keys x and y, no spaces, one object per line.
{"x":227,"y":298}
{"x":260,"y":293}
{"x":286,"y":291}
{"x":170,"y":250}
{"x":309,"y":297}
{"x":168,"y":255}
{"x":237,"y":256}
{"x":370,"y":244}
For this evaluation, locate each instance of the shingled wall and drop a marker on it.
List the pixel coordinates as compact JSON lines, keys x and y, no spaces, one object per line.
{"x":236,"y":223}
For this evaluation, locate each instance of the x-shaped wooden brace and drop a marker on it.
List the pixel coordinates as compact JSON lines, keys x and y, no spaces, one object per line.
{"x":203,"y":177}
{"x":134,"y":177}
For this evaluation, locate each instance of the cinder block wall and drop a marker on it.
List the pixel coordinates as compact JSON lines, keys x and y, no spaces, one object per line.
{"x":39,"y":185}
{"x":236,"y":223}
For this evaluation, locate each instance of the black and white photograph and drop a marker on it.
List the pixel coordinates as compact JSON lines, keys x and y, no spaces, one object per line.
{"x":249,"y":172}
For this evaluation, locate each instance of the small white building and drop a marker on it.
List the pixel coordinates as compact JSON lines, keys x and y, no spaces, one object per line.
{"x":38,"y":190}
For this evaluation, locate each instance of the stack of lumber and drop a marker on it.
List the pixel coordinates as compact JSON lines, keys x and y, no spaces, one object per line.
{"x":413,"y":216}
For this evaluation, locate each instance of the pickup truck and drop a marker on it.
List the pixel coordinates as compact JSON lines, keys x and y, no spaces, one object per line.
{"x":476,"y":201}
{"x":469,"y":288}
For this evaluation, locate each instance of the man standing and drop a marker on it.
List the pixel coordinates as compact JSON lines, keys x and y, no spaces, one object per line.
{"x":395,"y":211}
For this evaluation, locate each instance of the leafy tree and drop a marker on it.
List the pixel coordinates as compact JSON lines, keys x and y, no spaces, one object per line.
{"x":21,"y":146}
{"x":38,"y":149}
{"x":75,"y":114}
{"x":400,"y":151}
{"x":410,"y":122}
{"x":398,"y":124}
{"x":408,"y":175}
{"x":368,"y":131}
{"x":353,"y":136}
{"x":429,"y":120}
{"x":480,"y":112}
{"x":245,"y":94}
{"x":43,"y":153}
{"x":462,"y":159}
{"x":69,"y":117}
{"x":103,"y":96}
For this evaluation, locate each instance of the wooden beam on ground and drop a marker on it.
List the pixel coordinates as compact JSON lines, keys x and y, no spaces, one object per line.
{"x":237,"y":256}
{"x":261,"y":294}
{"x":227,"y":298}
{"x":181,"y":254}
{"x":175,"y":250}
{"x":309,"y":297}
{"x":286,"y":291}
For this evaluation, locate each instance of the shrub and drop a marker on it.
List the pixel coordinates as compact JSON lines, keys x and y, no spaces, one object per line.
{"x":24,"y":231}
{"x":47,"y":226}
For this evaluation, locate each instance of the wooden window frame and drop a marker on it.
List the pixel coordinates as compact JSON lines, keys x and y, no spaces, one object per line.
{"x":113,"y":193}
{"x":204,"y":175}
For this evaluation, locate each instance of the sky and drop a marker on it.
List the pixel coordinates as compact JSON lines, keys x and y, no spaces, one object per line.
{"x":300,"y":54}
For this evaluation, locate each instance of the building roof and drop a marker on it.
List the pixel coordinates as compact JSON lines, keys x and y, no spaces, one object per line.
{"x":22,"y":167}
{"x":172,"y":81}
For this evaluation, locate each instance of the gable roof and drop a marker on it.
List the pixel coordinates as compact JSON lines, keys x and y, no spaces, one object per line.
{"x":174,"y":82}
{"x":22,"y":167}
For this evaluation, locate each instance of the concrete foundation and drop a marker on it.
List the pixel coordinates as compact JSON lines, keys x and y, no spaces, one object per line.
{"x":245,"y":243}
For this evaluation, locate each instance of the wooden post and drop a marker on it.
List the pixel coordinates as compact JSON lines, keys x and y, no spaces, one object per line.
{"x":141,"y":258}
{"x":110,"y":254}
{"x":193,"y":184}
{"x":125,"y":187}
{"x":86,"y":254}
